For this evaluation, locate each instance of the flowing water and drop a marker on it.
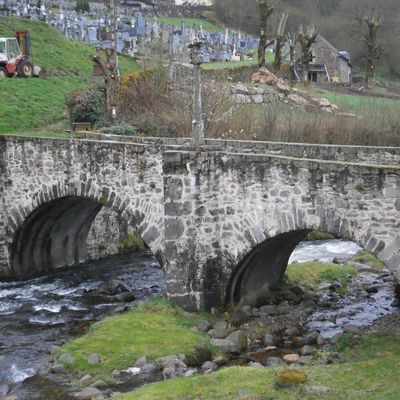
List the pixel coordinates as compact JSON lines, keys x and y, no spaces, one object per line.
{"x":41,"y":313}
{"x":358,"y":307}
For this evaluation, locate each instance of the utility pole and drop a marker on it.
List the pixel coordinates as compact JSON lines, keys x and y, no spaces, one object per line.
{"x":196,"y":59}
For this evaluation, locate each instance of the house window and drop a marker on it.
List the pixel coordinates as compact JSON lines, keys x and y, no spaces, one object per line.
{"x":313,"y":76}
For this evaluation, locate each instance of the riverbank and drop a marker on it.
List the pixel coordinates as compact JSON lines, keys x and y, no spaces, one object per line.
{"x":312,"y":322}
{"x":318,"y":321}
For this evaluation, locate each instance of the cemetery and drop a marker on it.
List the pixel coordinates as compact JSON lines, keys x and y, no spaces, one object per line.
{"x":139,"y":31}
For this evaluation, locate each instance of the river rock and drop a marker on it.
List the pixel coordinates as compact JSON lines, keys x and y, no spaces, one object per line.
{"x":353,"y":329}
{"x":292,"y":331}
{"x":307,"y":350}
{"x":190,"y":372}
{"x":57,"y":369}
{"x":270,"y":310}
{"x":66,"y":358}
{"x":99,"y":384}
{"x":171,"y":366}
{"x":305,"y":360}
{"x":94,"y":359}
{"x":269,"y":340}
{"x":283,"y":309}
{"x":220,"y":360}
{"x":85,"y":380}
{"x":239,"y":339}
{"x":114,"y":287}
{"x":257,"y":365}
{"x":203,"y":325}
{"x":310,"y":339}
{"x":4,"y":389}
{"x":200,"y":355}
{"x":209,"y":366}
{"x":372,"y":289}
{"x":219,"y":333}
{"x":227,"y":346}
{"x":125,"y":297}
{"x":291,"y":358}
{"x":317,"y":389}
{"x":90,"y":393}
{"x":271,"y":361}
{"x":141,"y":362}
{"x":148,"y":369}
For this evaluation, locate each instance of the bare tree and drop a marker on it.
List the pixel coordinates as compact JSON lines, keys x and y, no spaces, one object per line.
{"x":109,"y":70}
{"x":292,"y":40}
{"x":279,"y":42}
{"x":265,"y":10}
{"x":374,"y":51}
{"x":306,"y":40}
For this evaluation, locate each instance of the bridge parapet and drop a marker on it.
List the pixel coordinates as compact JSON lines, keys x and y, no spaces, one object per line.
{"x":368,"y":154}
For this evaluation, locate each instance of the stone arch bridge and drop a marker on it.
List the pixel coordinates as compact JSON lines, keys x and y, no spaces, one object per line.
{"x":223,"y":219}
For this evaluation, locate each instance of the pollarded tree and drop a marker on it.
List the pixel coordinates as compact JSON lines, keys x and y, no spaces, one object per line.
{"x":306,"y":39}
{"x":374,"y":51}
{"x":279,"y":42}
{"x":265,"y":10}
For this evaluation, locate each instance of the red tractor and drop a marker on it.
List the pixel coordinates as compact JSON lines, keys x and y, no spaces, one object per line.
{"x":13,"y":60}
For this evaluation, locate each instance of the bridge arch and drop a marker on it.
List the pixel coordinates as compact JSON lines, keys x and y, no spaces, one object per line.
{"x":51,"y":231}
{"x":266,"y":261}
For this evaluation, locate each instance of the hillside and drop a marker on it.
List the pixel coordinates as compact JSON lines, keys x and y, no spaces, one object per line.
{"x":340,"y":21}
{"x":35,"y":103}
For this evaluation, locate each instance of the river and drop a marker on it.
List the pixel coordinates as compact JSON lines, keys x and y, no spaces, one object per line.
{"x":41,"y":313}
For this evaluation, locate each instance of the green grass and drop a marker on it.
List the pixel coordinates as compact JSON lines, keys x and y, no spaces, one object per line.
{"x":370,"y":371}
{"x":312,"y":274}
{"x":154,"y":329}
{"x":319,"y":235}
{"x":353,"y":102}
{"x":365,"y":257}
{"x":228,"y":65}
{"x":189,"y":22}
{"x":27,"y":104}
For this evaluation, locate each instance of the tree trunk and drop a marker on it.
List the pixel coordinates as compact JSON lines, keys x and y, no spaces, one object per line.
{"x":109,"y":69}
{"x":373,"y":47}
{"x":306,"y":40}
{"x":265,"y":12}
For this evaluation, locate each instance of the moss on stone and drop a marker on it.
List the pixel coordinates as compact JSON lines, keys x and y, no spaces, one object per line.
{"x":289,"y":378}
{"x":132,"y":243}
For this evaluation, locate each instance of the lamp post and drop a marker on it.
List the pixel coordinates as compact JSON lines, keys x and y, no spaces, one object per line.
{"x":196,"y":59}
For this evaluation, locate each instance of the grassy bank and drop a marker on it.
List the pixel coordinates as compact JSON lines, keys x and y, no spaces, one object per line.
{"x":365,"y":257}
{"x":154,"y":329}
{"x":312,"y":274}
{"x":28,"y":104}
{"x":369,"y":371}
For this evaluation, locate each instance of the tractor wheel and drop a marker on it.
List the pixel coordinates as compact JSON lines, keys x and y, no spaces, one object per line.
{"x":25,"y":69}
{"x":3,"y":72}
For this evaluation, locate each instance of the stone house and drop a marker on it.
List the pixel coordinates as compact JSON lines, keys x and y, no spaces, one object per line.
{"x":329,"y":64}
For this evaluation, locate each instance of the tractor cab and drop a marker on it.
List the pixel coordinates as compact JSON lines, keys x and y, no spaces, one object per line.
{"x":13,"y":60}
{"x":9,"y":50}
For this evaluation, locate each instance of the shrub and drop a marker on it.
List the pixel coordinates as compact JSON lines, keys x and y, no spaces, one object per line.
{"x":122,"y":129}
{"x":86,"y":106}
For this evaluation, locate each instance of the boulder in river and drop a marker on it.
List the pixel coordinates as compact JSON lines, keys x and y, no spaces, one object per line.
{"x":114,"y":287}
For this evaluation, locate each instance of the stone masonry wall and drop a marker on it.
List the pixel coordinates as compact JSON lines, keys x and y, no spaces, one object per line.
{"x":202,"y":210}
{"x":232,"y":202}
{"x":127,"y":179}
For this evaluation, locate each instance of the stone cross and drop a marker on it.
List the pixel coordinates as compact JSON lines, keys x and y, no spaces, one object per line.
{"x":196,"y":59}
